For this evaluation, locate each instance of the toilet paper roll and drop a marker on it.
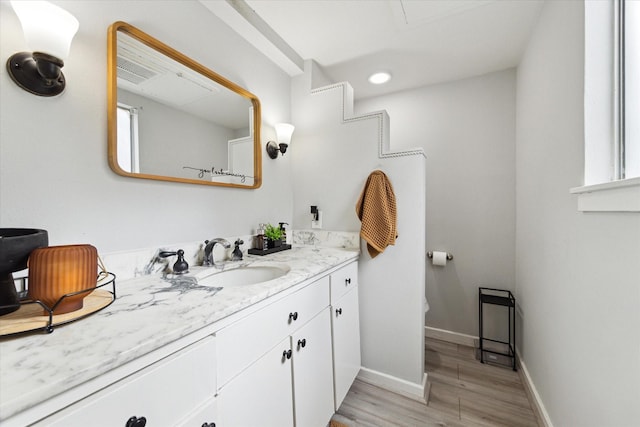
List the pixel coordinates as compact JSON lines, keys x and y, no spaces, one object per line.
{"x":439,"y":258}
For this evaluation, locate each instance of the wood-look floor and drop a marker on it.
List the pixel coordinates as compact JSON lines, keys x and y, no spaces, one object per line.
{"x":464,"y":392}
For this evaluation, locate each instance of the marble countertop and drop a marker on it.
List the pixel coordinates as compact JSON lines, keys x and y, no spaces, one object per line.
{"x":147,"y":314}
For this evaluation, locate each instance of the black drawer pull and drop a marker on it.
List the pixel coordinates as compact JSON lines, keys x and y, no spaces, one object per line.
{"x":286,"y":354}
{"x":136,"y":422}
{"x":338,"y":311}
{"x":209,"y":425}
{"x":302,"y":342}
{"x":347,"y":281}
{"x":293,"y":316}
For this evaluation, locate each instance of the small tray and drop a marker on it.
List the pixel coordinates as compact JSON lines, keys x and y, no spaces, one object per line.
{"x":29,"y":317}
{"x":261,"y":252}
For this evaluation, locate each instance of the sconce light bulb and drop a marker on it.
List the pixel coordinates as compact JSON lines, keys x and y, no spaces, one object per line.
{"x":284,"y":132}
{"x":47,"y":28}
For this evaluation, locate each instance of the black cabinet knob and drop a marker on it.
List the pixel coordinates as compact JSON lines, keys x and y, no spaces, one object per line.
{"x":136,"y":422}
{"x":286,"y":354}
{"x":293,"y":316}
{"x":338,"y":311}
{"x":302,"y":343}
{"x":209,"y":425}
{"x":347,"y":281}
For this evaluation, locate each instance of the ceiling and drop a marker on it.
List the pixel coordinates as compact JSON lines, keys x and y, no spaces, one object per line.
{"x":420,"y":42}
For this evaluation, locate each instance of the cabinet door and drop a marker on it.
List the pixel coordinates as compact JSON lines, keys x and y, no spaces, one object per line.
{"x":261,"y":395}
{"x":312,"y":372}
{"x":346,"y":343}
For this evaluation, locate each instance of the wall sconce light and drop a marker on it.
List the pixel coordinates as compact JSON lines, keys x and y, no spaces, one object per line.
{"x":283,"y":135}
{"x":48,"y":30}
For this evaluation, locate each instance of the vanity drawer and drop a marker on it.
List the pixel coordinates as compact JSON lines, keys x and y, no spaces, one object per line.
{"x":243,"y":342}
{"x":163,"y":393}
{"x":343,"y":280}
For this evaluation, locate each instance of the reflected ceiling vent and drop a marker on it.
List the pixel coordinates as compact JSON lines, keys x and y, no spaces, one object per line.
{"x":132,"y":72}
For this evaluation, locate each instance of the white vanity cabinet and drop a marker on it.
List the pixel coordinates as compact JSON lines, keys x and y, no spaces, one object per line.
{"x":278,"y":359}
{"x":177,"y":390}
{"x":345,"y":329}
{"x":287,"y":360}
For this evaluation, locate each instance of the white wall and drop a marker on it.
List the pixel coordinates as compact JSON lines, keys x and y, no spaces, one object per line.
{"x":53,"y":152}
{"x":577,"y":273}
{"x":467,"y":130}
{"x":332,"y":158}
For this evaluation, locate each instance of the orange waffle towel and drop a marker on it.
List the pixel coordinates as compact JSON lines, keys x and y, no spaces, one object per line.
{"x":376,"y":209}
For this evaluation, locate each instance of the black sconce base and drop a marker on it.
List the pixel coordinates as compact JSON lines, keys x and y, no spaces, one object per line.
{"x":273,"y":149}
{"x":37,"y":73}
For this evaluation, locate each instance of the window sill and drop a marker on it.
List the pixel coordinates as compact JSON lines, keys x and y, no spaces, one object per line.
{"x":614,"y":196}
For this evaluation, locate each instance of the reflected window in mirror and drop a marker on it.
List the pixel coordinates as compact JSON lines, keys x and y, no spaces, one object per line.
{"x":128,"y":138}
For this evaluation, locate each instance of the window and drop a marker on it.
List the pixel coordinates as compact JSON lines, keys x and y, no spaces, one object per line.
{"x":128,"y":138}
{"x":611,"y":107}
{"x":629,"y":144}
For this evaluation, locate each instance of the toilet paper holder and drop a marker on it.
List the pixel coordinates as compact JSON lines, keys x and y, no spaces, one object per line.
{"x":449,"y":256}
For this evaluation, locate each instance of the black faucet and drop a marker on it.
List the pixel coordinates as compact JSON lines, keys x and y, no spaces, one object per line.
{"x":208,"y":250}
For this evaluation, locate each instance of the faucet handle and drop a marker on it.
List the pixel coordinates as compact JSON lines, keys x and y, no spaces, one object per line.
{"x":181,"y":266}
{"x":236,"y":255}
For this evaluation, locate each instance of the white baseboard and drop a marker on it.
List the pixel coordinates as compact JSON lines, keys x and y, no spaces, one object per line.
{"x":405,"y":388}
{"x":538,"y":406}
{"x":452,"y":337}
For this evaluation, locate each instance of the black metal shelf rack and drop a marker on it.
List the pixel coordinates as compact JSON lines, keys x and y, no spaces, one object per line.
{"x":503,"y":298}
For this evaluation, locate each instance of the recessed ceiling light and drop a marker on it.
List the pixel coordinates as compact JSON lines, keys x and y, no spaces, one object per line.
{"x":379,"y":78}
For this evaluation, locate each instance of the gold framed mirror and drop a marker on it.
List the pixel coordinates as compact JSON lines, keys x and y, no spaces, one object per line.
{"x":172,"y":119}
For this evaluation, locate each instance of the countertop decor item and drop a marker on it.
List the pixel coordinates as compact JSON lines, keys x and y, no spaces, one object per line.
{"x":15,"y":246}
{"x":62,"y":271}
{"x":273,"y":235}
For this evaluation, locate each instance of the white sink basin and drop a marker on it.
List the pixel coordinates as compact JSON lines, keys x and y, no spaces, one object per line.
{"x":248,"y":275}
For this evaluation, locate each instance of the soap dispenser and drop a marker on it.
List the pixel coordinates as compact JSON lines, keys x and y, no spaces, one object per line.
{"x":284,"y":232}
{"x":261,"y":242}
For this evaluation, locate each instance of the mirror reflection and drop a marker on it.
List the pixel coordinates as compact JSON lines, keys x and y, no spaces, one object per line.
{"x":173,"y":119}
